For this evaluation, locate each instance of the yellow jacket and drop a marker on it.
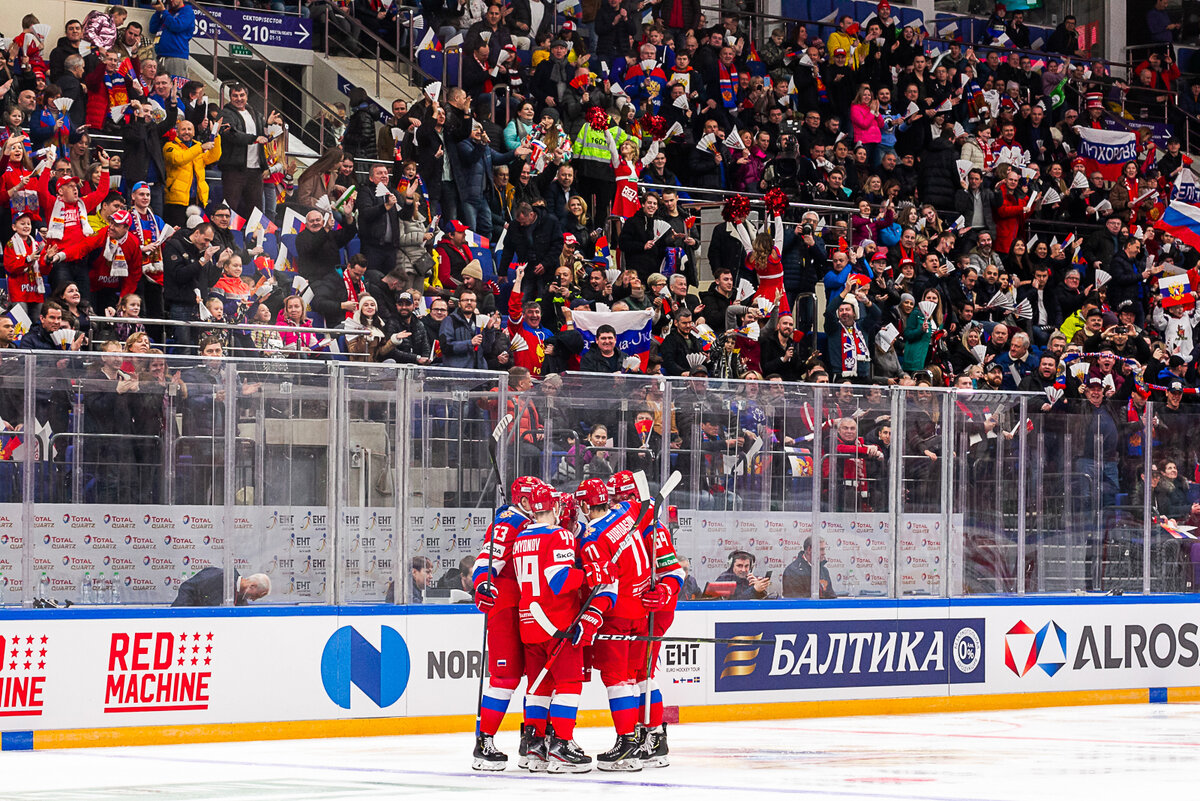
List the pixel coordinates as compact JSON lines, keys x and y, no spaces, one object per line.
{"x":185,"y":165}
{"x":848,"y":43}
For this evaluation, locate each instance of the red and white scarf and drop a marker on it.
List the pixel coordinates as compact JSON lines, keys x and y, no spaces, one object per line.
{"x":114,"y":254}
{"x":61,"y":219}
{"x":27,"y":248}
{"x":353,"y":290}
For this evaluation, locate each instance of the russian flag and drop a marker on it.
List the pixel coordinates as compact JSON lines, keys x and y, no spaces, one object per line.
{"x":1182,"y":221}
{"x":20,"y":320}
{"x":603,"y":254}
{"x":633,"y":329}
{"x":1106,"y":152}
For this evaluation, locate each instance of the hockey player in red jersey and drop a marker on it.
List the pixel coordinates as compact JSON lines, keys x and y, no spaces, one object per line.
{"x":543,"y":558}
{"x":614,"y":558}
{"x":497,"y":596}
{"x":659,"y":599}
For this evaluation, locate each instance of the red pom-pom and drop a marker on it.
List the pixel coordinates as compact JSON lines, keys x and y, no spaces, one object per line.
{"x":736,"y":208}
{"x":597,"y":118}
{"x":654,"y":126}
{"x":776,"y":201}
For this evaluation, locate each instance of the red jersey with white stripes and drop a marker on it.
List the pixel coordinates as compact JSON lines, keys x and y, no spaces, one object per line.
{"x":543,"y":559}
{"x":615,"y":538}
{"x":499,"y":539}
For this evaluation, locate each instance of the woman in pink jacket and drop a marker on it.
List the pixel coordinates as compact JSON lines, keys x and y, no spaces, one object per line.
{"x":867,"y":124}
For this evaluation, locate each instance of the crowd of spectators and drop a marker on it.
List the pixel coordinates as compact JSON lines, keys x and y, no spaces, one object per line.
{"x":903,"y":181}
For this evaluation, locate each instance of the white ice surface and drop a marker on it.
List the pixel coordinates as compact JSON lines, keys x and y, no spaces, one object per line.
{"x":1093,"y":753}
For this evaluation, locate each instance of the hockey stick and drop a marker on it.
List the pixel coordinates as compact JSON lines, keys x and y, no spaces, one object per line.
{"x":543,"y":620}
{"x":497,"y":434}
{"x":660,"y":503}
{"x":501,"y":428}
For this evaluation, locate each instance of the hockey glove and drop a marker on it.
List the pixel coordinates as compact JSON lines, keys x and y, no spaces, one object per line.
{"x":486,"y":595}
{"x":599,"y":573}
{"x":584,"y":632}
{"x":657,"y":597}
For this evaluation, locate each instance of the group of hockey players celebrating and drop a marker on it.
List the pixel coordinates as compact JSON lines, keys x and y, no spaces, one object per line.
{"x":574,"y":583}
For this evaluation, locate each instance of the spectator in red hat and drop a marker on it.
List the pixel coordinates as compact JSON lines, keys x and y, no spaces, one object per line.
{"x":112,"y":258}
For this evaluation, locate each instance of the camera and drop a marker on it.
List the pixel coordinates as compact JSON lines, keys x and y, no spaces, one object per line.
{"x":806,"y":229}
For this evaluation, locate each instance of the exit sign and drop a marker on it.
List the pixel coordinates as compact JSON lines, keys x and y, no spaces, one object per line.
{"x":239,"y":50}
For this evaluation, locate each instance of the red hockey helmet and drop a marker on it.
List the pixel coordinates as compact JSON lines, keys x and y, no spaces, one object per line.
{"x":522,"y":487}
{"x":542,"y":498}
{"x":568,"y":511}
{"x":593,"y":492}
{"x":624,"y":488}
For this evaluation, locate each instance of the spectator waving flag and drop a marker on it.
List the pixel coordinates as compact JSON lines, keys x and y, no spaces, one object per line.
{"x":633,"y":330}
{"x":1106,"y":152}
{"x":1185,"y":189}
{"x":20,"y":320}
{"x":1176,"y":290}
{"x":260,"y":222}
{"x":603,"y":254}
{"x":1182,"y":221}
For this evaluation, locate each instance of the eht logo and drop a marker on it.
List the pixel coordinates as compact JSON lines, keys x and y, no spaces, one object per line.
{"x":1047,"y":648}
{"x":349,"y":659}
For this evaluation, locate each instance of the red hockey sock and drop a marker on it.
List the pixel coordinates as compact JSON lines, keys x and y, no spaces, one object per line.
{"x":495,"y":704}
{"x":656,"y":705}
{"x":564,"y":708}
{"x":623,"y":705}
{"x":537,"y":712}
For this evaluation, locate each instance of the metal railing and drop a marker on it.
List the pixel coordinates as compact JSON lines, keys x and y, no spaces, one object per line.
{"x":331,"y":478}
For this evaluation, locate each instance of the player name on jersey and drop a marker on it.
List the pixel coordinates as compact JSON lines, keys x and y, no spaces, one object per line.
{"x":158,"y":671}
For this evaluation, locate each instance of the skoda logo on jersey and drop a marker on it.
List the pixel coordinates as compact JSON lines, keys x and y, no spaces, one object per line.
{"x":1023,"y":648}
{"x":350,"y":659}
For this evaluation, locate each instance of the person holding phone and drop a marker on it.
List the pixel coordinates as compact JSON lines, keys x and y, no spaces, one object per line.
{"x":741,"y":573}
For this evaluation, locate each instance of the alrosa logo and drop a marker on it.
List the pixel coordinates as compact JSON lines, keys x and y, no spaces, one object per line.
{"x":1023,"y":648}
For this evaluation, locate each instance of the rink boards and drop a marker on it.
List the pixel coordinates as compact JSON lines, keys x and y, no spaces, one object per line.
{"x":96,"y":676}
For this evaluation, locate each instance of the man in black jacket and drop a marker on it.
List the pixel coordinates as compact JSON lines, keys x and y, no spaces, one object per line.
{"x":411,"y":336}
{"x":143,"y":140}
{"x":938,"y":177}
{"x":558,"y":192}
{"x":1098,"y":249}
{"x":71,"y":84}
{"x":67,"y":46}
{"x":186,"y":255}
{"x":379,"y":221}
{"x":603,"y":357}
{"x":779,"y":354}
{"x":318,"y":246}
{"x":716,"y":299}
{"x":534,"y":238}
{"x":1046,"y":316}
{"x":1128,"y":272}
{"x":207,"y":588}
{"x":679,"y":344}
{"x":243,"y":160}
{"x":336,"y":298}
